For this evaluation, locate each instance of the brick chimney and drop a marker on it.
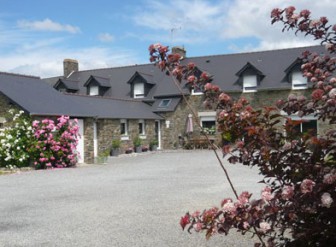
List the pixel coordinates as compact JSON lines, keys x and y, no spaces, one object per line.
{"x":180,"y":50}
{"x":69,"y":66}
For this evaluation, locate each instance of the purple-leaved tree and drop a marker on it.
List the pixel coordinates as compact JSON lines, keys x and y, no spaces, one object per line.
{"x":297,"y":206}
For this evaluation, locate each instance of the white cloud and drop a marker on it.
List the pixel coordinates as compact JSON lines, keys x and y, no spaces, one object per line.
{"x":105,"y":37}
{"x":201,"y":21}
{"x":48,"y":62}
{"x":47,"y":25}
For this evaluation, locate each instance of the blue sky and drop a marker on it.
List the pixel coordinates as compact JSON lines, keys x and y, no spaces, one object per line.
{"x":36,"y":35}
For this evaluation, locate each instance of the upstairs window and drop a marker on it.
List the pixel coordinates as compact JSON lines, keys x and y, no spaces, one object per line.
{"x":139,"y":90}
{"x":298,"y":80}
{"x":94,"y":90}
{"x":250,"y":83}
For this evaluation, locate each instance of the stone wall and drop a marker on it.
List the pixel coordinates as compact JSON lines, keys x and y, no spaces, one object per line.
{"x":177,"y":119}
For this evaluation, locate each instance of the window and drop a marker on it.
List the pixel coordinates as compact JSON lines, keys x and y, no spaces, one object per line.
{"x":2,"y":122}
{"x":196,"y":91}
{"x":250,"y":83}
{"x":94,"y":90}
{"x":307,"y":127}
{"x":139,"y":90}
{"x":208,"y":122}
{"x":123,"y":127}
{"x":164,"y":103}
{"x":142,"y":128}
{"x":298,"y":80}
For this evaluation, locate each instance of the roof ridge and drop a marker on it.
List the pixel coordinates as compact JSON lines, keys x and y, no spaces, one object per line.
{"x":121,"y":66}
{"x":253,"y":52}
{"x":68,"y":80}
{"x":103,"y":97}
{"x":21,"y":75}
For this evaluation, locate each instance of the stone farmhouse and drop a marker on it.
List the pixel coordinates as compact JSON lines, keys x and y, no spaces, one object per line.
{"x":141,"y":101}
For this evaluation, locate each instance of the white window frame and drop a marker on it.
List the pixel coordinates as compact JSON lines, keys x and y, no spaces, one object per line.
{"x":139,"y":90}
{"x":207,"y":117}
{"x":298,"y":80}
{"x":124,"y":136}
{"x":250,"y":83}
{"x":94,"y":90}
{"x":143,"y":130}
{"x":295,"y":117}
{"x":196,"y":93}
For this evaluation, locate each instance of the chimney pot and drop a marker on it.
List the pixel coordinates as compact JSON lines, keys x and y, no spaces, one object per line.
{"x":180,"y":50}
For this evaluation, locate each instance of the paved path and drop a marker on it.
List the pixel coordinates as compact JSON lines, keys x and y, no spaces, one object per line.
{"x":132,"y":201}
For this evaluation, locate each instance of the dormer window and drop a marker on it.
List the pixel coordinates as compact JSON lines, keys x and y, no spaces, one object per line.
{"x":294,"y":75}
{"x":97,"y":85}
{"x":250,"y":83}
{"x":94,"y":90}
{"x":249,"y":78}
{"x":139,"y":90}
{"x":66,"y":86}
{"x":298,"y":80}
{"x":140,"y":84}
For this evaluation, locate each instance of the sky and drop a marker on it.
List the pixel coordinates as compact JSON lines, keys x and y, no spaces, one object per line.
{"x":37,"y":35}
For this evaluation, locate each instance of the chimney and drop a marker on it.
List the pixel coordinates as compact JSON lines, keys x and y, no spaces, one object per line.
{"x":180,"y":50}
{"x":69,"y":66}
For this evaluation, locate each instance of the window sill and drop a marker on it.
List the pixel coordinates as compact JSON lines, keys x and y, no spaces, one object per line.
{"x":143,"y":137}
{"x":124,"y":138}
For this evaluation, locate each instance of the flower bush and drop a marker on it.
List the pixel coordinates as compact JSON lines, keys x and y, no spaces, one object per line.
{"x":55,"y":143}
{"x":45,"y":144}
{"x":15,"y":140}
{"x":297,"y":205}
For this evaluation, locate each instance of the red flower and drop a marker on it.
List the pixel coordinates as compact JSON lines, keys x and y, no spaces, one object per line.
{"x":207,"y":86}
{"x":317,"y":94}
{"x":191,"y":66}
{"x":184,"y":221}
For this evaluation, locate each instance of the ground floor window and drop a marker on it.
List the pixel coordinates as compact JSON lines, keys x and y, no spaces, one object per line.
{"x":123,"y":127}
{"x":208,"y":122}
{"x":306,"y":127}
{"x":141,"y":127}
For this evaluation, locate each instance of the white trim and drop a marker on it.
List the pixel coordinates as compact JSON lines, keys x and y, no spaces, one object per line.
{"x":124,"y":121}
{"x":207,"y":114}
{"x":196,"y":93}
{"x":298,"y":80}
{"x":159,"y":133}
{"x":95,"y":140}
{"x":143,"y":131}
{"x":250,"y":83}
{"x":94,"y":90}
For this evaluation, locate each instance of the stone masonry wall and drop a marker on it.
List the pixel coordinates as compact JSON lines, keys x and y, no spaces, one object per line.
{"x":177,"y":119}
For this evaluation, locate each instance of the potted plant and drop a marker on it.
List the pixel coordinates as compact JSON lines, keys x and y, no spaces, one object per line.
{"x":116,"y":143}
{"x":137,"y":144}
{"x":102,"y":157}
{"x":154,"y":144}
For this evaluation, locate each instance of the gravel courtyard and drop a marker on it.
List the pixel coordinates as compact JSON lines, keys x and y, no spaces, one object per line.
{"x":131,"y":201}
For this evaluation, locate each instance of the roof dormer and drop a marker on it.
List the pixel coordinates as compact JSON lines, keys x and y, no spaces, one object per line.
{"x":249,"y":77}
{"x":140,"y":84}
{"x":97,"y":86}
{"x":295,"y":76}
{"x":68,"y":86}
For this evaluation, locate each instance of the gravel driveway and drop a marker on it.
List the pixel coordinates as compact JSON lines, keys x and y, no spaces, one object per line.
{"x":131,"y":201}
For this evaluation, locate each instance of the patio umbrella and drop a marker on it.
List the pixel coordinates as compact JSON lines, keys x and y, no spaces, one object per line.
{"x":190,"y":127}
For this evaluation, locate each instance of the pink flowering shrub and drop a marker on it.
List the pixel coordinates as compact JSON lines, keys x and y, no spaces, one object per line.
{"x":55,"y":144}
{"x":297,"y":205}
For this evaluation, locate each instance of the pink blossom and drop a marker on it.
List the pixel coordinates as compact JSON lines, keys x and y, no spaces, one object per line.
{"x":332,"y":93}
{"x":244,"y":197}
{"x":317,"y":94}
{"x":198,"y":227}
{"x":326,"y":200}
{"x":307,"y":186}
{"x":224,"y":97}
{"x":266,"y":194}
{"x":287,"y":192}
{"x":246,"y":225}
{"x":329,"y":178}
{"x":191,"y":79}
{"x":229,"y":207}
{"x":264,"y":226}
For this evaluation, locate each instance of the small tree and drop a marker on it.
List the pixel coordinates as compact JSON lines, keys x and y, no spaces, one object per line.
{"x":297,"y":205}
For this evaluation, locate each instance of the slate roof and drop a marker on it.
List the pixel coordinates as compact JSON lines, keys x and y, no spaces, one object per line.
{"x":73,"y":85}
{"x":38,"y":98}
{"x":273,"y":65}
